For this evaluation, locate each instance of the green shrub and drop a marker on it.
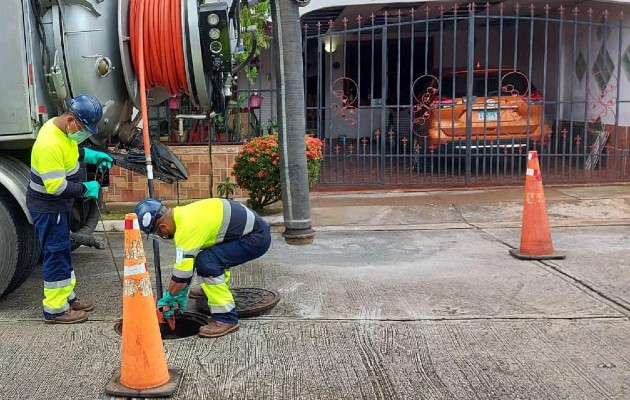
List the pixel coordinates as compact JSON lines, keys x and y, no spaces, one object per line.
{"x":257,"y":168}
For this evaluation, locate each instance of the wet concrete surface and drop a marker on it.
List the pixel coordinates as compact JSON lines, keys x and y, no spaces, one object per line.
{"x":401,"y":296}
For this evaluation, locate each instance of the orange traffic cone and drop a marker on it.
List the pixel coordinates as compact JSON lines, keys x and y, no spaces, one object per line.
{"x":535,"y":233}
{"x":144,"y":372}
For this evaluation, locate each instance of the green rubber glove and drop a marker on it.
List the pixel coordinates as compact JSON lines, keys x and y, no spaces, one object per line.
{"x":92,"y":188}
{"x":182,"y":299}
{"x":169,"y":301}
{"x":98,"y":158}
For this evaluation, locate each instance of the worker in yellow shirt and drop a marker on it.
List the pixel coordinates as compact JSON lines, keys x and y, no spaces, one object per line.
{"x":211,"y":236}
{"x":56,"y":180}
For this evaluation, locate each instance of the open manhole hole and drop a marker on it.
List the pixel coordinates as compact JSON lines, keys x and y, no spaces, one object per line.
{"x":249,"y":302}
{"x":186,"y":324}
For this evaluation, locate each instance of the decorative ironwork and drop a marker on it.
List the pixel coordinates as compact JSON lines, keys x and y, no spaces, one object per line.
{"x":604,"y":102}
{"x":510,"y":87}
{"x":422,"y":108}
{"x":390,"y":115}
{"x":344,"y":107}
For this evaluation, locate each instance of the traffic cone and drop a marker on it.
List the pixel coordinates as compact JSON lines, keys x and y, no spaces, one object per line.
{"x":143,"y":371}
{"x":535,"y":233}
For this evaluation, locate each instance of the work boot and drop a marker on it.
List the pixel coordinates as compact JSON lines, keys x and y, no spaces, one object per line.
{"x":217,"y":328}
{"x":69,"y":317}
{"x":82,"y":305}
{"x":196,"y":292}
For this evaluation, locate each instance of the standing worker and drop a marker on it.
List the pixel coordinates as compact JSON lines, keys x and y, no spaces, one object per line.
{"x":56,"y":180}
{"x":211,"y":236}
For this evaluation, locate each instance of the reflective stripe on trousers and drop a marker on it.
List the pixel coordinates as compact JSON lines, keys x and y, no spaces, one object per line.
{"x":220,"y":299}
{"x":53,"y":232}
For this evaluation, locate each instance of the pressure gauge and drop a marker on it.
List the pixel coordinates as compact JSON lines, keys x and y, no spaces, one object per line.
{"x":213,"y":19}
{"x":216,"y":47}
{"x":214,"y":33}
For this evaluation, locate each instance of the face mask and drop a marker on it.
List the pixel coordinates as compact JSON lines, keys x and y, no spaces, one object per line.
{"x":79,"y":136}
{"x":155,"y":236}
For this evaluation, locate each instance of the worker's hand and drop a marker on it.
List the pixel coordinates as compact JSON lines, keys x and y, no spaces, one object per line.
{"x":167,"y":301}
{"x":92,"y":189}
{"x":98,"y":158}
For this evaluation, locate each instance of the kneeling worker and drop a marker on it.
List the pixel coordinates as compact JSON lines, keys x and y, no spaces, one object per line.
{"x":211,"y":236}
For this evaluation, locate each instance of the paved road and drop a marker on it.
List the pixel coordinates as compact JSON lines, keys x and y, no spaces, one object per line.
{"x":417,"y":299}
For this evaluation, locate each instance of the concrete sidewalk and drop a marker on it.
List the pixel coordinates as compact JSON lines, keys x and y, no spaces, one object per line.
{"x":382,"y":210}
{"x":401,"y":296}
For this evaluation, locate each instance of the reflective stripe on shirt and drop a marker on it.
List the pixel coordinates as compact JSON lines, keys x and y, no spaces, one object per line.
{"x":42,"y":189}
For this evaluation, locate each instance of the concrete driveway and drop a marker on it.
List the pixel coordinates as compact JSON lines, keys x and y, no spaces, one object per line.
{"x":415,"y":299}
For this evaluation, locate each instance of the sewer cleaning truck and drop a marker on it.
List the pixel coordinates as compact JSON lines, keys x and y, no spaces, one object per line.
{"x":53,"y":50}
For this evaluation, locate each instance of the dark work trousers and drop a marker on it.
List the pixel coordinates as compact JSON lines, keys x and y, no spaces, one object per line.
{"x":213,"y":269}
{"x":53,"y":232}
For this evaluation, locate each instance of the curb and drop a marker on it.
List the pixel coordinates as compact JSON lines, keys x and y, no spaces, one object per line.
{"x":110,"y":226}
{"x":119,"y":225}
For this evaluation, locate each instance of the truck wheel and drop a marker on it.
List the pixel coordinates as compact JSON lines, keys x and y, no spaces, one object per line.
{"x":22,"y":241}
{"x":8,"y":249}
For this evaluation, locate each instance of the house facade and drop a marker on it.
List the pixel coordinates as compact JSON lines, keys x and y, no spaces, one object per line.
{"x":366,"y":65}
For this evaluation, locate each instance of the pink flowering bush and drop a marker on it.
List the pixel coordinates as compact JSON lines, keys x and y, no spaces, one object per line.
{"x":257,"y":170}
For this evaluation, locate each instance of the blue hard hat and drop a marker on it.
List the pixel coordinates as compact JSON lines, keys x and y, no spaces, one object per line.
{"x":149,"y":211}
{"x":88,"y":110}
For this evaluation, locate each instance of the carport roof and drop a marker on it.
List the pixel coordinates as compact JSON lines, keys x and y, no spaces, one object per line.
{"x":325,"y":11}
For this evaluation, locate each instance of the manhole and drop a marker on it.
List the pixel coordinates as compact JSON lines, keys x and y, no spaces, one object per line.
{"x":250,"y":302}
{"x":186,"y":324}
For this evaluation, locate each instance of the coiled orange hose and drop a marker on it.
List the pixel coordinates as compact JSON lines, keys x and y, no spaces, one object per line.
{"x":162,"y":43}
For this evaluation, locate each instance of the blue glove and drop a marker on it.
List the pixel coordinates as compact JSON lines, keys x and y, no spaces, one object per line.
{"x":92,"y":188}
{"x":98,"y":158}
{"x":167,"y":301}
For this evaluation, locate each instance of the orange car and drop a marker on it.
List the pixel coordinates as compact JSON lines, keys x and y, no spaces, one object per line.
{"x":507,"y":111}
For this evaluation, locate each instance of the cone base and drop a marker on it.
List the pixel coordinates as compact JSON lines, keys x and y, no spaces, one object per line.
{"x":553,"y":256}
{"x":115,"y":388}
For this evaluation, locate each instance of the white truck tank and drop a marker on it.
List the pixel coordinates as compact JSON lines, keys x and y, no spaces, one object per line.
{"x":52,"y":51}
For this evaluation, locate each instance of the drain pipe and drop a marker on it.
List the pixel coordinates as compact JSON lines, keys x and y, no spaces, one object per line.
{"x":291,"y":123}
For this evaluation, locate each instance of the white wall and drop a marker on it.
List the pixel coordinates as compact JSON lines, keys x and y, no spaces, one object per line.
{"x":266,"y":81}
{"x":600,"y":103}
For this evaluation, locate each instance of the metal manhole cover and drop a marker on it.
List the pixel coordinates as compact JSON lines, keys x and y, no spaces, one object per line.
{"x":250,"y":302}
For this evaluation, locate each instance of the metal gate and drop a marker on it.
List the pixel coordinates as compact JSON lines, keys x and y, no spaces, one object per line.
{"x":456,"y":95}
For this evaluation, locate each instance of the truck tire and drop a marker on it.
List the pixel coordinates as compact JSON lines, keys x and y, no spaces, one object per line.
{"x":8,"y":248}
{"x":26,"y":244}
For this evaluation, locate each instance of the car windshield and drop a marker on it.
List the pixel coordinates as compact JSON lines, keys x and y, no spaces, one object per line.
{"x":512,"y":83}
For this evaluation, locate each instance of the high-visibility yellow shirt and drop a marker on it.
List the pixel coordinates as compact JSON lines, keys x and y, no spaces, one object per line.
{"x":204,"y":223}
{"x":56,"y":175}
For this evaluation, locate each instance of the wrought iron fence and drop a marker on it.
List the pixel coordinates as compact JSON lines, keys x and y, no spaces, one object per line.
{"x":457,"y":95}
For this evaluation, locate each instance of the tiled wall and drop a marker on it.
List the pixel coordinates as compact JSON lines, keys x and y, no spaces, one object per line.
{"x":128,"y":186}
